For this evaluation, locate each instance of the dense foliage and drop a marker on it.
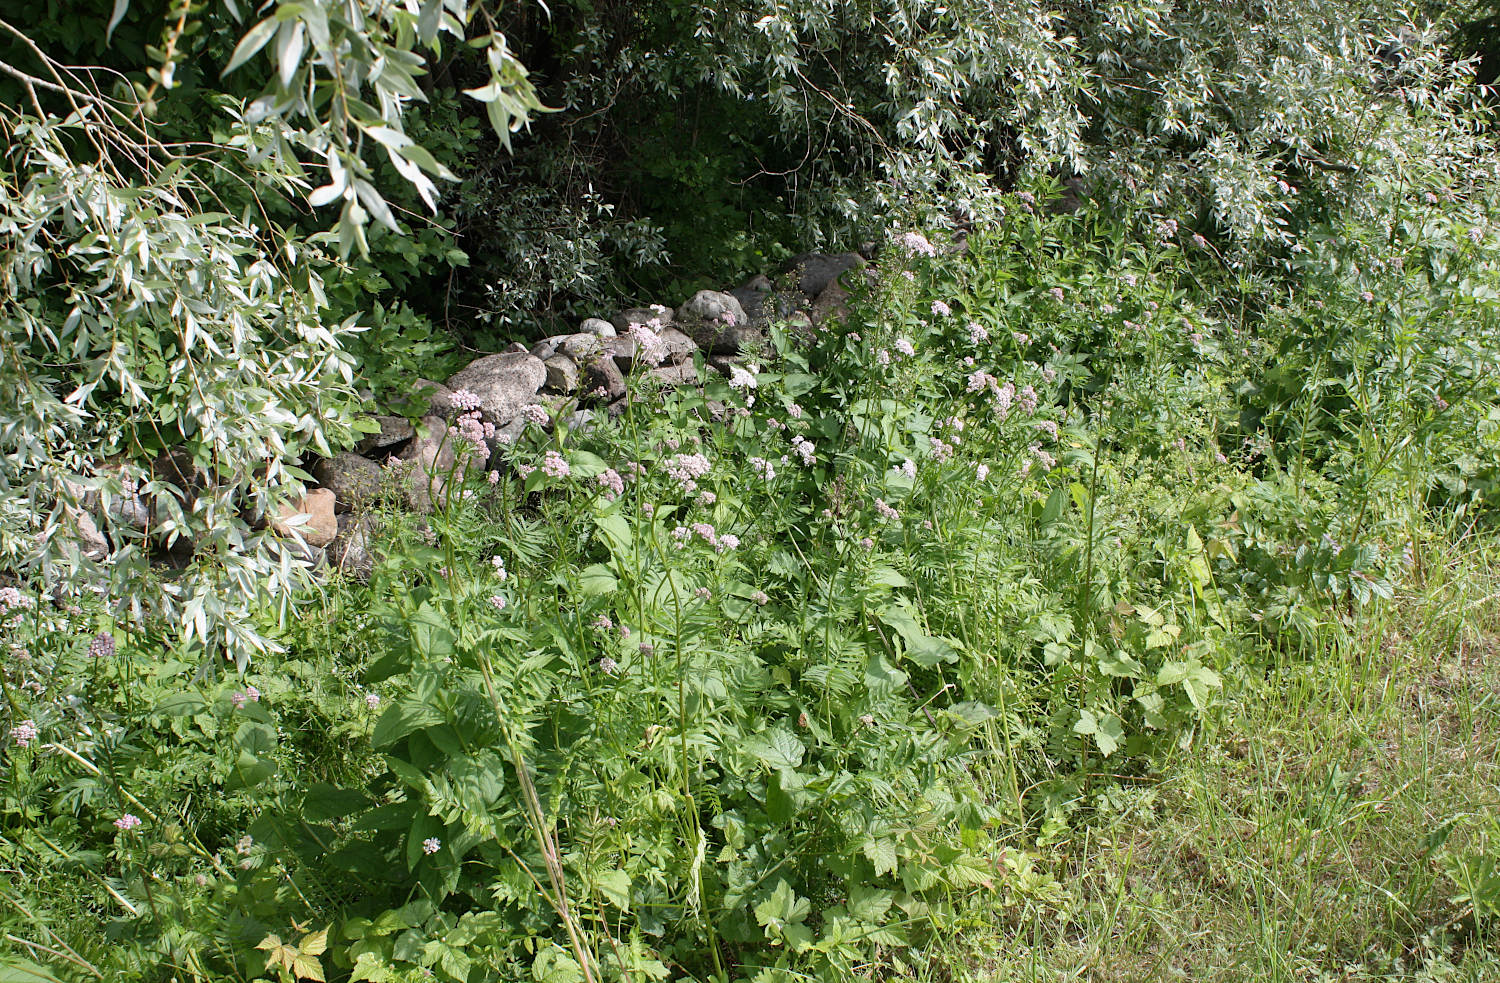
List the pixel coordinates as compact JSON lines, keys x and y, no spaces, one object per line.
{"x":762,"y":680}
{"x":675,"y":698}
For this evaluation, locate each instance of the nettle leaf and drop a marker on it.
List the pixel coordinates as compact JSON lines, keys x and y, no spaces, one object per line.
{"x":776,"y":748}
{"x":782,"y":908}
{"x":1197,"y":681}
{"x":882,"y":853}
{"x":1107,"y":731}
{"x":402,"y":718}
{"x":615,"y":886}
{"x":869,"y":904}
{"x":554,"y":965}
{"x":1118,"y":663}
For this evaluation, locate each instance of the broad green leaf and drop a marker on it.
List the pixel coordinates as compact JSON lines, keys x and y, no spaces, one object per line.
{"x":1107,"y":731}
{"x":776,"y":747}
{"x":400,"y":719}
{"x":882,"y":853}
{"x":615,"y":886}
{"x":431,"y":632}
{"x":782,"y":907}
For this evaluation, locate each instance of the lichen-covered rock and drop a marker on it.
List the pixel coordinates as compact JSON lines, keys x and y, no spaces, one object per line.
{"x":433,"y":450}
{"x":717,"y":323}
{"x":438,"y":403}
{"x":682,"y":374}
{"x":832,"y":304}
{"x":562,"y":374}
{"x":815,"y":271}
{"x":504,"y":383}
{"x":678,"y":348}
{"x":354,"y":480}
{"x":602,"y":373}
{"x":393,"y":430}
{"x":755,"y":297}
{"x":642,"y":315}
{"x":581,"y":346}
{"x":351,"y":551}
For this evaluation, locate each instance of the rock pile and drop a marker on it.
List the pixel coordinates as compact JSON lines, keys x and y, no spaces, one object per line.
{"x":571,"y":376}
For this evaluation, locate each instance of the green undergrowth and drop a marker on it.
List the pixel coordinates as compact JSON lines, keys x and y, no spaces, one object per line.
{"x":1337,"y":821}
{"x":1052,"y":612}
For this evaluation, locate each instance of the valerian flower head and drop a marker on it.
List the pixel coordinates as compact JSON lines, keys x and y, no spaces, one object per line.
{"x":612,"y":484}
{"x":465,"y":401}
{"x":916,"y":244}
{"x":24,"y":733}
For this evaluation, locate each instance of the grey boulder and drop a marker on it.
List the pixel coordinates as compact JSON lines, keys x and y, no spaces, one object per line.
{"x":504,"y":383}
{"x":717,"y":323}
{"x":354,"y":480}
{"x":562,"y":374}
{"x":815,"y":271}
{"x":393,"y":430}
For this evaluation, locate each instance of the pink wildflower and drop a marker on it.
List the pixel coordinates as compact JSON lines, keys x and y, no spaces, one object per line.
{"x":24,"y":733}
{"x":127,"y":822}
{"x":916,"y":244}
{"x":804,"y":449}
{"x":555,"y":466}
{"x":465,"y":401}
{"x":612,"y":483}
{"x":649,"y":347}
{"x":685,"y":469}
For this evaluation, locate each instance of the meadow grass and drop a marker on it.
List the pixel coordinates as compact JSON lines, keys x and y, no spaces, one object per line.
{"x":1304,"y":837}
